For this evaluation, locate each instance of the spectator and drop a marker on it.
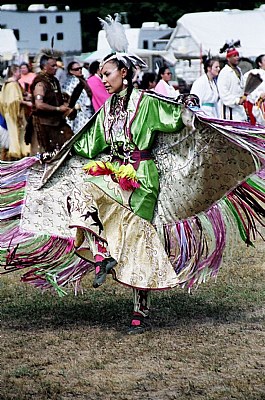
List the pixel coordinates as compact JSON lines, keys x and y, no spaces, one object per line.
{"x":255,"y":98}
{"x":99,"y":92}
{"x":183,"y":87}
{"x":12,"y":108}
{"x":205,"y":87}
{"x":60,"y":72}
{"x":49,"y":130}
{"x":4,"y":140}
{"x":148,"y":81}
{"x":80,"y":97}
{"x":137,"y":77}
{"x":85,"y":70}
{"x":163,"y":85}
{"x":27,"y":77}
{"x":231,"y":88}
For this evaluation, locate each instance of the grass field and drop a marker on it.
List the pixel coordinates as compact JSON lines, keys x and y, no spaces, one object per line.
{"x":207,"y":345}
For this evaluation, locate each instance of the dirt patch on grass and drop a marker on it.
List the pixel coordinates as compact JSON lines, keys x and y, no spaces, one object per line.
{"x":205,"y":346}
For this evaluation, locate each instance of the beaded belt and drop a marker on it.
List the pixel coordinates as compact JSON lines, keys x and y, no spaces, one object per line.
{"x":135,"y":157}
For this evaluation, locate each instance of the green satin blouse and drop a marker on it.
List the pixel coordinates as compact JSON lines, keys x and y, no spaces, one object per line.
{"x":146,"y":115}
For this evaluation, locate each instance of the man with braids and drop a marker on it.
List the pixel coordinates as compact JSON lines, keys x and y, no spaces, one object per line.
{"x":48,"y":125}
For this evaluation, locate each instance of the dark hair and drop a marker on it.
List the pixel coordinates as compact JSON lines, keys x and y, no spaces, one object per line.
{"x":24,"y":63}
{"x":70,"y":66}
{"x":44,"y":59}
{"x":119,"y":64}
{"x":258,"y":60}
{"x":146,"y":78}
{"x":209,"y":63}
{"x":161,"y":72}
{"x":93,"y":67}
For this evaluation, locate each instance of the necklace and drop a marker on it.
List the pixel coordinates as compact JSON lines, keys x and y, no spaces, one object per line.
{"x":210,"y":83}
{"x":51,"y":81}
{"x":236,"y":71}
{"x":115,"y":126}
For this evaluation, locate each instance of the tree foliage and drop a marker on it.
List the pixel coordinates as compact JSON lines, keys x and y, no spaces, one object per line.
{"x":137,"y":12}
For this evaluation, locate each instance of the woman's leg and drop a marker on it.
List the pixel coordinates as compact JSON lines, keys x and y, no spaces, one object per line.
{"x":141,"y":309}
{"x":103,"y":261}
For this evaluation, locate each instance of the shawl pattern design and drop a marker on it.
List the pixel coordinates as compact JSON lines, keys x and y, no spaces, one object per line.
{"x":212,"y":186}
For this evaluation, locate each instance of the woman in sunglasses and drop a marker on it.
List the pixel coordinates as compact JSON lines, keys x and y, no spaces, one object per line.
{"x":79,"y":96}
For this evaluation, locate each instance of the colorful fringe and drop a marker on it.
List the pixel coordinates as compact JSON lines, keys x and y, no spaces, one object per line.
{"x":239,"y":211}
{"x":53,"y":258}
{"x":200,"y":240}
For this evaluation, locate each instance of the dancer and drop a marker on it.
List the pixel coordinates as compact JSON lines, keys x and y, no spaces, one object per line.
{"x":205,"y":87}
{"x":231,"y":84}
{"x":255,"y":100}
{"x":99,"y":92}
{"x":47,"y":130}
{"x":154,"y":205}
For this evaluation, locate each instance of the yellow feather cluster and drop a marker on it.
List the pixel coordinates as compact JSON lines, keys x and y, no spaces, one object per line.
{"x":124,"y":174}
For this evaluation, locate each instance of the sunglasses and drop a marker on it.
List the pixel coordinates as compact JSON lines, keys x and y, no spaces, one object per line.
{"x":77,"y":69}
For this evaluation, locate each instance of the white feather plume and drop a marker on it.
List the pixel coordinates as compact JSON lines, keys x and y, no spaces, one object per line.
{"x":115,"y":33}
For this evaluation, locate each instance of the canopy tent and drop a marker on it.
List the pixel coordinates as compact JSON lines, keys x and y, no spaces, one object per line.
{"x":132,"y":34}
{"x":92,"y":56}
{"x":8,"y":45}
{"x":204,"y":33}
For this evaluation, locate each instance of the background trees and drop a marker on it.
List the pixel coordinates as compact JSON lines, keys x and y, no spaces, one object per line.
{"x":137,"y":12}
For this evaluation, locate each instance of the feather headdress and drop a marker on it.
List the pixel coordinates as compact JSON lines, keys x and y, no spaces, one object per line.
{"x":45,"y":52}
{"x":229,"y":45}
{"x":116,"y":37}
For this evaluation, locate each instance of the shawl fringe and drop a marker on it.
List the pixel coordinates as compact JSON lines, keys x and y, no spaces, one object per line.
{"x":195,"y":245}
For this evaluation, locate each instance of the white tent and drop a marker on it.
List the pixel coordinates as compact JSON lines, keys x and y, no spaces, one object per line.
{"x":204,"y":33}
{"x":8,"y":45}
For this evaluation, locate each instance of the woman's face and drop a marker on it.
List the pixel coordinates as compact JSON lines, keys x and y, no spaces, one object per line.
{"x":24,"y":69}
{"x":152,"y":84}
{"x":167,"y":75}
{"x":112,"y":77}
{"x":215,"y":69}
{"x":262,"y":63}
{"x":17,"y":74}
{"x":76,"y":70}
